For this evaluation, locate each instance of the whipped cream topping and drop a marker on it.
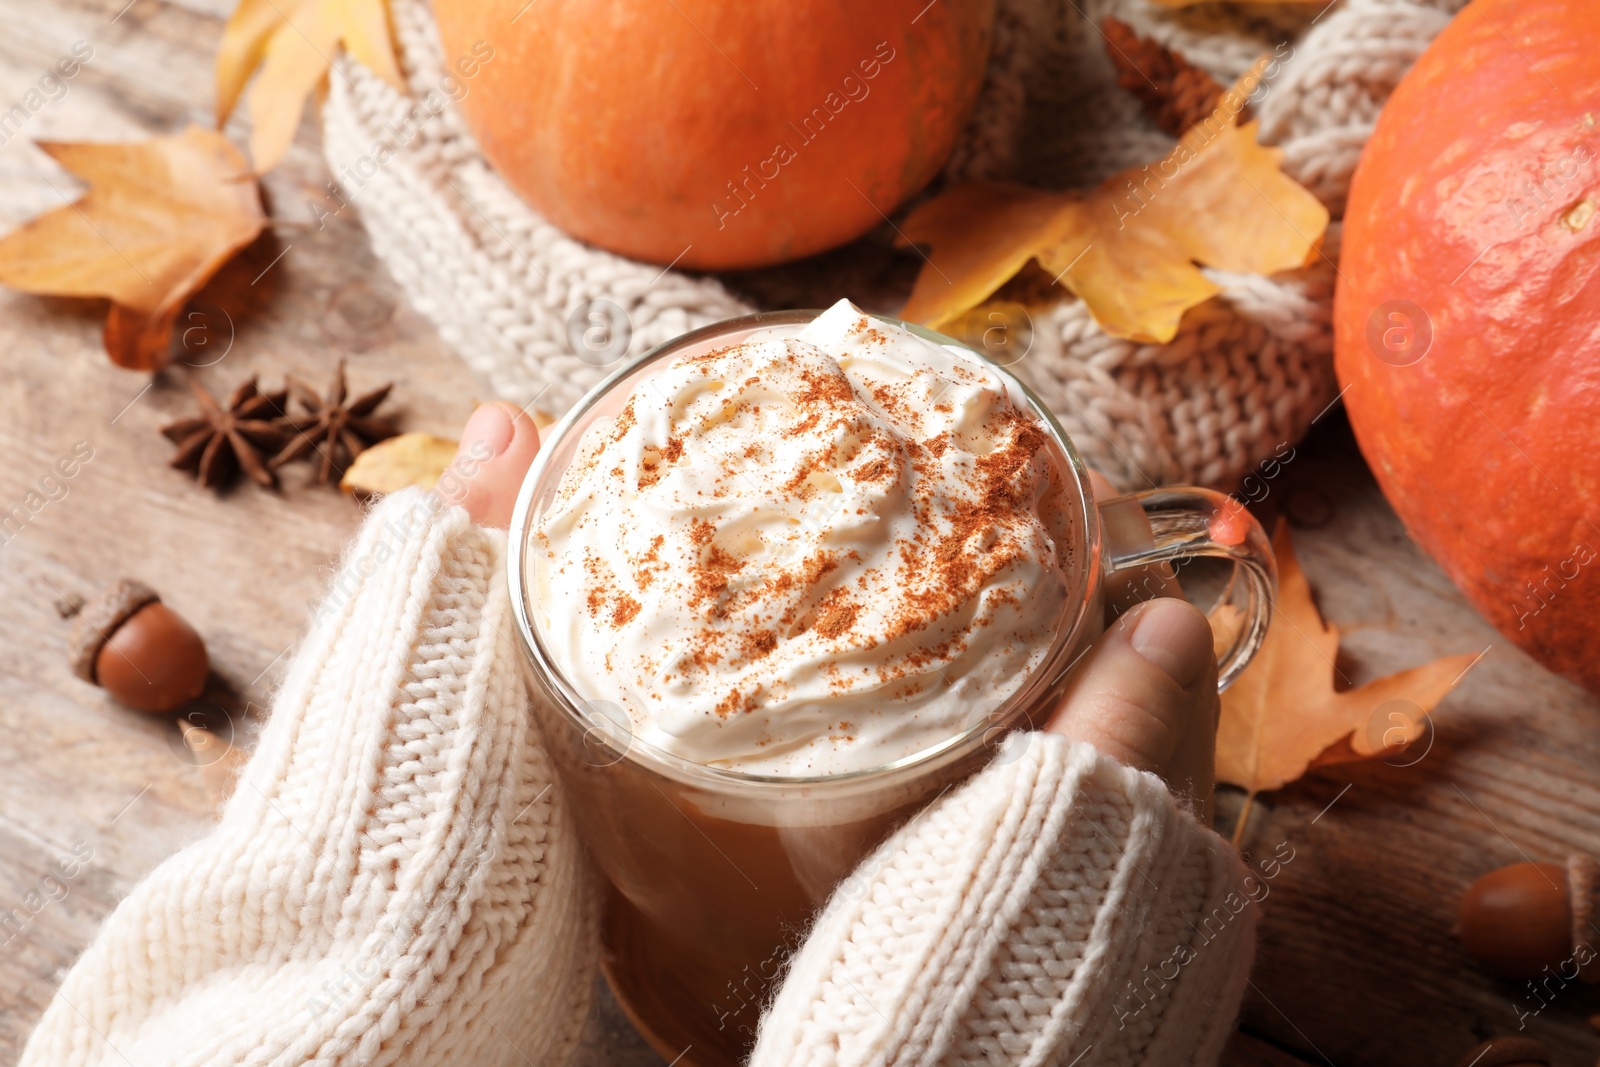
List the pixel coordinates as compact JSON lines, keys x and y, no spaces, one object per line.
{"x":807,"y":555}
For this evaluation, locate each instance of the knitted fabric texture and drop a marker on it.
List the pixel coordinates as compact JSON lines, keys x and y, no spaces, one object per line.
{"x":394,"y":880}
{"x":1247,"y":372}
{"x":1059,"y":908}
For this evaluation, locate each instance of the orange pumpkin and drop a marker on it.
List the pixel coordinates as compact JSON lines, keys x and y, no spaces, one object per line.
{"x":1468,"y":317}
{"x":717,"y":133}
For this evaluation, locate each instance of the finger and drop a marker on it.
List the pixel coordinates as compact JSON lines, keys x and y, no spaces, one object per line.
{"x":1145,"y":695}
{"x":1192,"y":770}
{"x":497,"y":447}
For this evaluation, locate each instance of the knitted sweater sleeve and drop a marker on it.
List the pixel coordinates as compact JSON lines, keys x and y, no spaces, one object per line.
{"x":394,"y":880}
{"x":1057,"y":909}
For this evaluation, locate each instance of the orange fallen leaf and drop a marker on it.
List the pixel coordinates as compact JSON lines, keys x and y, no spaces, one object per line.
{"x":1282,"y":717}
{"x":160,"y":218}
{"x":1130,"y":247}
{"x":292,"y":42}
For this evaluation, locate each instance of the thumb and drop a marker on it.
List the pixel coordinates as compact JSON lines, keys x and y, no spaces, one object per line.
{"x":1145,"y":694}
{"x":500,"y":440}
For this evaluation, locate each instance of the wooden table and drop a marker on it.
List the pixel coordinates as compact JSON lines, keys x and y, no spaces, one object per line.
{"x":1356,"y":962}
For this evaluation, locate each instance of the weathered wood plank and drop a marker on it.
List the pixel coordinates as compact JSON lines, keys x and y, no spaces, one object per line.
{"x":1244,"y":1050}
{"x":1356,"y":963}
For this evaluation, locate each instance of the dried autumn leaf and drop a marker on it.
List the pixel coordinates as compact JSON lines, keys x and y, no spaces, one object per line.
{"x":1283,"y":716}
{"x":160,"y":218}
{"x":981,"y":234}
{"x":292,"y":42}
{"x":1175,"y":93}
{"x":409,"y":459}
{"x":1227,"y":205}
{"x":1130,"y":247}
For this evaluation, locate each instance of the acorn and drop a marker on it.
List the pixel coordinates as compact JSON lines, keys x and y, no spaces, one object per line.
{"x":139,"y":650}
{"x":1514,"y":1051}
{"x":1528,"y":919}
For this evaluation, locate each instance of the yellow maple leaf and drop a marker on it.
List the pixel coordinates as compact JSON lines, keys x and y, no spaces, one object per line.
{"x":1129,"y":247}
{"x":159,"y":219}
{"x":981,"y":234}
{"x":1282,"y":717}
{"x":293,"y":42}
{"x":403,"y":460}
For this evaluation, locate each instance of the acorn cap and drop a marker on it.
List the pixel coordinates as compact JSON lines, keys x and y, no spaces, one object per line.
{"x":1506,"y":1052}
{"x":1583,"y":887}
{"x":99,"y":619}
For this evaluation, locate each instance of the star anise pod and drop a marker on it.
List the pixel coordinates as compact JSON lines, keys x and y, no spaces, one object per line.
{"x":218,"y":441}
{"x":334,"y":431}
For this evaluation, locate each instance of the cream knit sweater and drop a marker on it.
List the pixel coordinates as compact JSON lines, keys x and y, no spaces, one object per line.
{"x":396,"y":881}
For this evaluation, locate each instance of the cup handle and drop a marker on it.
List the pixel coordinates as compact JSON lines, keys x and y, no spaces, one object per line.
{"x":1174,"y":526}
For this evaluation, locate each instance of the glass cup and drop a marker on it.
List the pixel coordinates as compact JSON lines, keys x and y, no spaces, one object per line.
{"x":713,"y":873}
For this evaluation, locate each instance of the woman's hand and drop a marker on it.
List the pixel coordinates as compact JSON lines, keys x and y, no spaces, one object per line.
{"x":1144,"y":694}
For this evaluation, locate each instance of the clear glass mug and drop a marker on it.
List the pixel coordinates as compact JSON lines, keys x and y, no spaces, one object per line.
{"x":714,"y":873}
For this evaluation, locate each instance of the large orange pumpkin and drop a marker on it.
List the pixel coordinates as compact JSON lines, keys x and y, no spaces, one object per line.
{"x":718,"y":133}
{"x":1468,"y":317}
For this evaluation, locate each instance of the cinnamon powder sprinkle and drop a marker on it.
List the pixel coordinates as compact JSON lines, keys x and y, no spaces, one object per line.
{"x":836,"y":616}
{"x":958,"y":547}
{"x":812,"y":570}
{"x":598,"y":575}
{"x":874,"y":470}
{"x":713,"y":571}
{"x":709,"y":357}
{"x":656,"y":460}
{"x":759,"y":644}
{"x":949,"y":575}
{"x":626,"y":609}
{"x":734,"y":703}
{"x":889,"y":400}
{"x":624,"y":422}
{"x":703,"y":649}
{"x":803,"y":426}
{"x":811,"y":463}
{"x":650,"y":563}
{"x":825,"y":387}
